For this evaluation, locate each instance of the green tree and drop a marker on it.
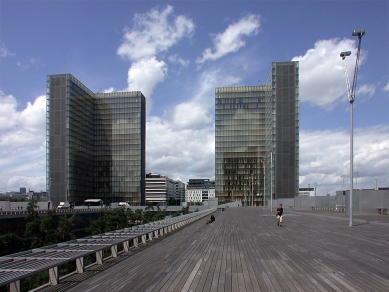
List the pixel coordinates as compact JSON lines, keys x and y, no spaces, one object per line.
{"x":160,"y":215}
{"x":135,"y":217}
{"x":33,"y":226}
{"x":48,"y":229}
{"x":109,"y":221}
{"x":10,"y":243}
{"x":64,"y":228}
{"x":185,"y":210}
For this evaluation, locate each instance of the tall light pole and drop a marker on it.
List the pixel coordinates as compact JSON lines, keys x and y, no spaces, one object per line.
{"x":351,"y":98}
{"x":264,"y":184}
{"x":251,"y":185}
{"x":315,"y":184}
{"x":271,"y":181}
{"x":356,"y":180}
{"x":342,"y":176}
{"x":67,"y":190}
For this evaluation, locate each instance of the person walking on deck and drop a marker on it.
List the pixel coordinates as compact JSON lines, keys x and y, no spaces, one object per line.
{"x":279,"y":212}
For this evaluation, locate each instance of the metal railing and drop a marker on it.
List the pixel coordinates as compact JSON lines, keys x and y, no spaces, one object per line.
{"x":17,"y":266}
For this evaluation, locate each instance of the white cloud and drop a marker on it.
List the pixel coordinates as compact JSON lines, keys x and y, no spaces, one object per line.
{"x":386,"y":88}
{"x":154,"y":32}
{"x":144,"y":74}
{"x":4,"y":52}
{"x":109,"y":90}
{"x":366,"y":90}
{"x":179,"y":153}
{"x":175,"y":59}
{"x":8,"y":113}
{"x":322,"y":75}
{"x":325,"y":156}
{"x":231,"y":40}
{"x":22,"y":144}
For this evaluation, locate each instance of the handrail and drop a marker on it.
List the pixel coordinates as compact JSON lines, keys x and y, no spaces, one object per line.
{"x":20,"y":265}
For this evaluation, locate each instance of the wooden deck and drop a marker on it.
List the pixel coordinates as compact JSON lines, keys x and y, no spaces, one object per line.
{"x":245,"y":250}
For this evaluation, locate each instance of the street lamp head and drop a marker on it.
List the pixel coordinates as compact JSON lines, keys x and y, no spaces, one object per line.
{"x":343,"y":55}
{"x":358,"y":32}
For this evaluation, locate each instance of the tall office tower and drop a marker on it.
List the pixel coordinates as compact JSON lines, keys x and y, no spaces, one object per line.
{"x":95,"y":143}
{"x":257,"y":138}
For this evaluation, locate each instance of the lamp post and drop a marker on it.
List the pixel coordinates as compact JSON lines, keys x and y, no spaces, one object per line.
{"x":356,"y":180}
{"x":264,"y":184}
{"x":67,"y":190}
{"x":251,"y":190}
{"x":351,"y":98}
{"x":315,"y":184}
{"x":49,"y":194}
{"x":342,"y":176}
{"x":271,"y":181}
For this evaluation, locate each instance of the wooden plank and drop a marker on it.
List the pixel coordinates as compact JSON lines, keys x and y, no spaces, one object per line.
{"x":244,"y":250}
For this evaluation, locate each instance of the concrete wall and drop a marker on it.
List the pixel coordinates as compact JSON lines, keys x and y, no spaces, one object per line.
{"x":364,"y":201}
{"x":368,"y":201}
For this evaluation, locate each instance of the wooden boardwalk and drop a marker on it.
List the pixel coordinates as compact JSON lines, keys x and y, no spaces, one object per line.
{"x":245,"y":250}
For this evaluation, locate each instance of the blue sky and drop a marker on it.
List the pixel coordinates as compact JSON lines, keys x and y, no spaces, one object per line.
{"x":176,"y":53}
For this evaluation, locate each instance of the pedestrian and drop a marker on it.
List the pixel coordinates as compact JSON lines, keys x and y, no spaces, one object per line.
{"x":210,"y":220}
{"x":279,"y":212}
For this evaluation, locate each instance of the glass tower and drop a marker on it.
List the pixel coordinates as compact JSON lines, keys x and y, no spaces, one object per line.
{"x":95,"y":143}
{"x":256,"y":138}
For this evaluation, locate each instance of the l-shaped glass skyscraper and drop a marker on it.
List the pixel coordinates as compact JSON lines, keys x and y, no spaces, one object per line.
{"x":257,"y":138}
{"x":95,"y":143}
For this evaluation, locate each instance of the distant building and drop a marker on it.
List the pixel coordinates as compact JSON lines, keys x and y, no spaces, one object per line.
{"x":95,"y":143}
{"x":199,"y":190}
{"x":159,"y":188}
{"x":23,"y":191}
{"x":257,"y":138}
{"x":180,"y":190}
{"x":306,"y":192}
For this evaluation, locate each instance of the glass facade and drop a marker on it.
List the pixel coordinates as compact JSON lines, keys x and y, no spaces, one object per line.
{"x":251,"y":122}
{"x":95,"y":143}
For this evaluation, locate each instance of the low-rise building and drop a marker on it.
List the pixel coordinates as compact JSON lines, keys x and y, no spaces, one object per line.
{"x":199,"y":190}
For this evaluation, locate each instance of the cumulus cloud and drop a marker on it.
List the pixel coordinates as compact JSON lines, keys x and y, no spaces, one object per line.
{"x":8,"y":113}
{"x":154,"y":32}
{"x":322,"y":75}
{"x":231,"y":40}
{"x":179,"y":153}
{"x":109,"y":90}
{"x":144,"y":74}
{"x":22,"y":143}
{"x":325,"y":157}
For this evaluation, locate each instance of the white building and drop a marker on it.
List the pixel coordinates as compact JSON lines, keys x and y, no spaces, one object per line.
{"x":159,"y":188}
{"x":199,"y":190}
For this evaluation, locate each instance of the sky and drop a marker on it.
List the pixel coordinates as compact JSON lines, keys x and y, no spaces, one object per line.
{"x":176,"y":53}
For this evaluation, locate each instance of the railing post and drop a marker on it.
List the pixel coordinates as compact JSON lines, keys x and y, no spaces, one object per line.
{"x":126,"y":246}
{"x":135,"y":242}
{"x":80,"y":265}
{"x":99,"y":257}
{"x":114,"y":251}
{"x":14,"y":286}
{"x":53,"y":276}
